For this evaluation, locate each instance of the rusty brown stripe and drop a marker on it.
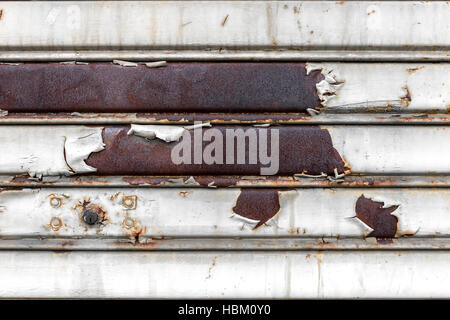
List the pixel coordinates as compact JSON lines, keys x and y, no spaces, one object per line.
{"x":178,"y":87}
{"x":306,"y":149}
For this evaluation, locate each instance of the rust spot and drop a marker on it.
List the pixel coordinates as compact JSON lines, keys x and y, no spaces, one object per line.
{"x":340,"y":2}
{"x":258,"y":204}
{"x":1,"y":14}
{"x":86,"y":204}
{"x":380,"y":219}
{"x":407,"y":98}
{"x":184,"y":194}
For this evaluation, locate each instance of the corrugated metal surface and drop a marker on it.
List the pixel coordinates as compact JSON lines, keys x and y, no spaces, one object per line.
{"x":322,"y":172}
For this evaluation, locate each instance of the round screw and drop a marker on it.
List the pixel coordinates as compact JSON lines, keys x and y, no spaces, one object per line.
{"x":90,"y":217}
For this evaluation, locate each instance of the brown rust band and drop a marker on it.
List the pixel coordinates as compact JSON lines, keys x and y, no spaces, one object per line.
{"x":305,"y":149}
{"x":178,"y":87}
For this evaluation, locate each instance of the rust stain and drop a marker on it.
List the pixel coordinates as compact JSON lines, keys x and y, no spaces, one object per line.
{"x":412,"y":70}
{"x":257,"y":204}
{"x":184,"y":194}
{"x":213,"y":264}
{"x":340,"y":2}
{"x":224,"y":20}
{"x":1,"y":14}
{"x":380,"y":219}
{"x":407,"y":98}
{"x":86,"y":204}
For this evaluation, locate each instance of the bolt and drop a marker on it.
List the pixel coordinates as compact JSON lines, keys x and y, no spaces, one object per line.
{"x":128,"y":222}
{"x":90,"y":217}
{"x":55,"y":202}
{"x":56,"y":223}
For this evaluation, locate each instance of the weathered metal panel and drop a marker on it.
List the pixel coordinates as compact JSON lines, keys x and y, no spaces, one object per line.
{"x":225,"y":87}
{"x":222,"y":274}
{"x":143,"y":214}
{"x":404,"y":25}
{"x":303,"y":150}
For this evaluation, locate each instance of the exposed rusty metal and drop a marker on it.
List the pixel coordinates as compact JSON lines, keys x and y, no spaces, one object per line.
{"x":380,"y":219}
{"x":258,"y":204}
{"x":178,"y":87}
{"x":305,"y":149}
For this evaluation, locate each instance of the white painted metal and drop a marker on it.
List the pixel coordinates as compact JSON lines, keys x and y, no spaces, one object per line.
{"x":348,"y":274}
{"x":40,"y":150}
{"x":256,"y":25}
{"x":200,"y":212}
{"x":388,"y":86}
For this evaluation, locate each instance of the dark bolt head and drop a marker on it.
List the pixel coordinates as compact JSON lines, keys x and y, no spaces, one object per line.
{"x":90,"y":217}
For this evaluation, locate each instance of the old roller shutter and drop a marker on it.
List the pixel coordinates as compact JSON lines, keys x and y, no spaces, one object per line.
{"x":344,"y":194}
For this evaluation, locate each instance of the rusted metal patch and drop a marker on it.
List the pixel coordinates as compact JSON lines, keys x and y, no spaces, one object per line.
{"x":259,"y":205}
{"x":380,"y":219}
{"x":306,"y":149}
{"x":178,"y":87}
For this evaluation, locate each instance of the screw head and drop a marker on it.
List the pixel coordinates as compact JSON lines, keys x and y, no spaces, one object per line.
{"x":90,"y":217}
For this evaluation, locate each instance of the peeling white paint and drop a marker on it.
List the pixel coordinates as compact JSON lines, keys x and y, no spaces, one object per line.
{"x":165,"y":133}
{"x":43,"y":150}
{"x":125,"y":63}
{"x":407,"y":87}
{"x":3,"y":113}
{"x":156,"y":64}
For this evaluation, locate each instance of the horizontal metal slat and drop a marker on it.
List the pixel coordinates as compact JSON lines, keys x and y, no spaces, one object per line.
{"x":324,"y":117}
{"x":139,"y":215}
{"x":224,"y":87}
{"x":179,"y":87}
{"x":220,"y":24}
{"x":350,"y":181}
{"x":304,"y":150}
{"x":402,"y":274}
